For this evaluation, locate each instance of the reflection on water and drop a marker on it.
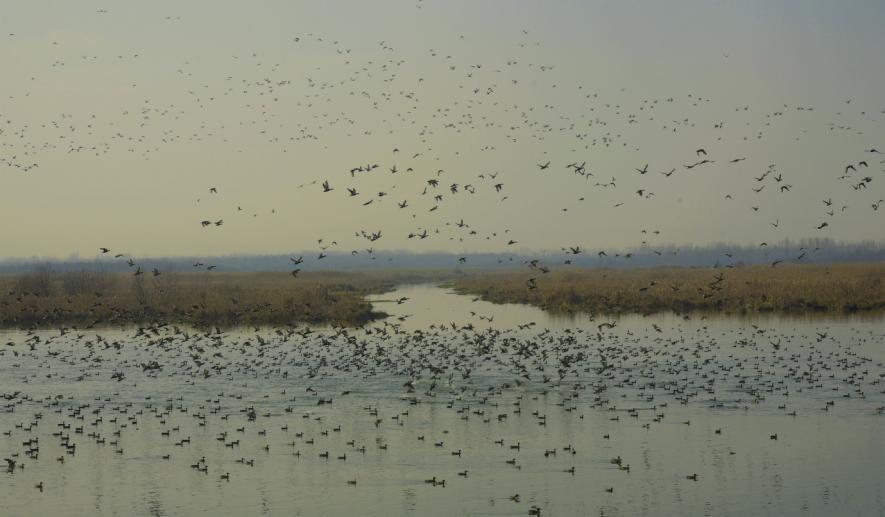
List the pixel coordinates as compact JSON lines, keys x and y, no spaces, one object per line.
{"x":427,"y":304}
{"x":514,"y":409}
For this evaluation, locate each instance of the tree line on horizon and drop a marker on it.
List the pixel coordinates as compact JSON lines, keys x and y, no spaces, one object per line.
{"x":810,"y":251}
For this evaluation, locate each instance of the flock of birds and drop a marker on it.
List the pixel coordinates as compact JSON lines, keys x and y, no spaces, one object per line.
{"x":280,"y":389}
{"x":435,"y":120}
{"x":439,"y":118}
{"x":463,"y":230}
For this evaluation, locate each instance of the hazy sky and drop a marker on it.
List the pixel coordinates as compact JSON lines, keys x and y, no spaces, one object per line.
{"x":116,"y":118}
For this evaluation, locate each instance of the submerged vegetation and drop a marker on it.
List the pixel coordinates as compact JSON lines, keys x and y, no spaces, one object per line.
{"x":46,"y":298}
{"x":785,"y":288}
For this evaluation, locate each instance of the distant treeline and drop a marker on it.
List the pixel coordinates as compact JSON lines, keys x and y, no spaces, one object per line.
{"x":806,"y":251}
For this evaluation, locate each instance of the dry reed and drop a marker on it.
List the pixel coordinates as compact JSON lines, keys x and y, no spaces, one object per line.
{"x":46,"y":298}
{"x":786,"y":288}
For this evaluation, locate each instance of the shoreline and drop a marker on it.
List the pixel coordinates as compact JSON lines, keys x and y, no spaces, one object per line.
{"x":47,"y":299}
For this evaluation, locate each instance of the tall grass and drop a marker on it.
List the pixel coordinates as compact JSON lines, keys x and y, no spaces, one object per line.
{"x":46,"y":298}
{"x":786,"y":288}
{"x":88,"y":298}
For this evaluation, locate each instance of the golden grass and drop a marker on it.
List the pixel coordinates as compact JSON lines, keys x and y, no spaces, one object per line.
{"x":786,"y":288}
{"x":46,"y":298}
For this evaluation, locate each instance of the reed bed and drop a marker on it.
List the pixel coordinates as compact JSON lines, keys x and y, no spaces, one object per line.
{"x":842,"y":288}
{"x":46,"y":298}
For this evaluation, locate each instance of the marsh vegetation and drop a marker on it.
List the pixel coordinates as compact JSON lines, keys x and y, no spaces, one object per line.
{"x":786,"y":288}
{"x":46,"y":298}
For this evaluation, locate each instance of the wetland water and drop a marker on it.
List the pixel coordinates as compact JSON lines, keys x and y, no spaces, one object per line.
{"x":147,"y":422}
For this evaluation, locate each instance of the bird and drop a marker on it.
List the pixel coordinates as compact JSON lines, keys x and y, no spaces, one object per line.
{"x":702,"y":162}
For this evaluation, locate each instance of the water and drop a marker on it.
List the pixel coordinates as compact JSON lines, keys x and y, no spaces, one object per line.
{"x":650,"y":390}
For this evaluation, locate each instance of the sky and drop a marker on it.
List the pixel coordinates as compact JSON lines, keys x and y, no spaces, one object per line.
{"x":117,"y":118}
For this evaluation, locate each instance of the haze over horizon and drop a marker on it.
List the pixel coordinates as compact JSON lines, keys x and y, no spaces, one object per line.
{"x":117,"y":120}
